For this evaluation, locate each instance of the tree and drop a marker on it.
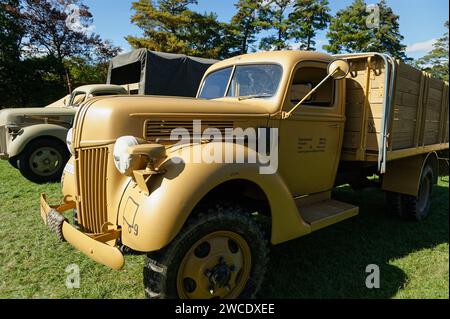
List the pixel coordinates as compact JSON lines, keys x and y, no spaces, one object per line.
{"x":308,"y":17}
{"x":61,"y":34}
{"x":11,"y":36}
{"x":207,"y":37}
{"x":436,"y":61}
{"x":274,"y":16}
{"x":170,"y":26}
{"x":358,"y":29}
{"x":246,"y":24}
{"x":164,"y":25}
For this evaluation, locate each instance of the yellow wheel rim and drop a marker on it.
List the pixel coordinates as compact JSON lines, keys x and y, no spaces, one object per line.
{"x":216,"y":266}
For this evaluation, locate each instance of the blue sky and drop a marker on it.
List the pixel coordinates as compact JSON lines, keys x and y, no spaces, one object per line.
{"x":421,"y":21}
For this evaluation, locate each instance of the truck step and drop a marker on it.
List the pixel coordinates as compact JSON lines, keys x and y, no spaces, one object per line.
{"x":328,"y":212}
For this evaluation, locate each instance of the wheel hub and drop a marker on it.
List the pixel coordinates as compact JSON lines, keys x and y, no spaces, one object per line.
{"x":217,"y":266}
{"x":45,"y":161}
{"x":220,"y":275}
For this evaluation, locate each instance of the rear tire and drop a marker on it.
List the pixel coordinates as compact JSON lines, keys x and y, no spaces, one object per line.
{"x":418,"y":207}
{"x":43,"y":160}
{"x":394,"y":204}
{"x":166,"y":271}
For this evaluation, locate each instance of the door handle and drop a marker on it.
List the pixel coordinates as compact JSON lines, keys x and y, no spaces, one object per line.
{"x":335,"y":125}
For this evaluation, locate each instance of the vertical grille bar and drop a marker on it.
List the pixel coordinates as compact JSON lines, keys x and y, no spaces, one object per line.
{"x":92,"y":184}
{"x":2,"y":140}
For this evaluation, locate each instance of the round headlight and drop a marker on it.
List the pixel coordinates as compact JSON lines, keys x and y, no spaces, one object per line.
{"x":122,"y":159}
{"x":69,"y":141}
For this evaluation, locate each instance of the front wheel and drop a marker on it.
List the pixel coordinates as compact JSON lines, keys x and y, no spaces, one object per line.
{"x":221,"y":253}
{"x":43,"y":161}
{"x":13,"y":162}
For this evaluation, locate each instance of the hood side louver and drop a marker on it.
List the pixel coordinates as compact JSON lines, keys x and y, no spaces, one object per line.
{"x":162,"y":129}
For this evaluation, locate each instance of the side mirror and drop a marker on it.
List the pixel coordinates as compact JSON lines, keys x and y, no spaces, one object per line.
{"x":338,"y":69}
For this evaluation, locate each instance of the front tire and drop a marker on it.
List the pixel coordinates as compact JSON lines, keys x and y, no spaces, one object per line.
{"x":221,"y":252}
{"x":13,"y":162}
{"x":43,"y":161}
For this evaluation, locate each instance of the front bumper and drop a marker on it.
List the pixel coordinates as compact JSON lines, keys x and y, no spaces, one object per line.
{"x":97,"y":247}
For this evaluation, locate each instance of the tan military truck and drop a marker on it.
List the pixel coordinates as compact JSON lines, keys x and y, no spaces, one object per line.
{"x":34,"y":139}
{"x":206,"y":225}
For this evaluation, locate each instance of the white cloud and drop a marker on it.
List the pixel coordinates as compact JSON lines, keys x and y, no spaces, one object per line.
{"x":424,"y":46}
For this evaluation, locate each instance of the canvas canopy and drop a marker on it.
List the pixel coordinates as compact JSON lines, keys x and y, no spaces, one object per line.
{"x":159,"y":73}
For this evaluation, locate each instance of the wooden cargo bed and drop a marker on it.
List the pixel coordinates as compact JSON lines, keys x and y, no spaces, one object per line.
{"x":393,"y":110}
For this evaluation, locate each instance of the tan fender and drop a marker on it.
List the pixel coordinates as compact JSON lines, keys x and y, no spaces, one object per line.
{"x":403,"y":175}
{"x":150,"y":222}
{"x":35,"y":131}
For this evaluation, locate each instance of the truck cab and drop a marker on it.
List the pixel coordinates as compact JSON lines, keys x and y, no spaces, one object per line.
{"x":202,"y":186}
{"x":83,"y":93}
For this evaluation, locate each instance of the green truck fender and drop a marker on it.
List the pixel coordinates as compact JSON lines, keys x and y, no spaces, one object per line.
{"x":30,"y":133}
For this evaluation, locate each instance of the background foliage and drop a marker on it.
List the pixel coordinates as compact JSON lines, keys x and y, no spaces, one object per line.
{"x":41,"y":59}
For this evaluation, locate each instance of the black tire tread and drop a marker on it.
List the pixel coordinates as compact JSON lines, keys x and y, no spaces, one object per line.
{"x":160,"y":269}
{"x":394,"y":204}
{"x":410,"y":205}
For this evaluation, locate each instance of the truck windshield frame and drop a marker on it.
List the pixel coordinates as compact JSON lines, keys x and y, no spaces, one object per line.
{"x":74,"y":96}
{"x":243,"y":81}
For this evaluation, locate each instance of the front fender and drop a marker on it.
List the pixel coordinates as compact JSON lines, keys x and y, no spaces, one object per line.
{"x":150,"y":222}
{"x":29,"y":133}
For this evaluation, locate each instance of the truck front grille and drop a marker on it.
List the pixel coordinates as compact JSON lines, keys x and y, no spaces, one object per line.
{"x":92,"y":171}
{"x":2,"y":140}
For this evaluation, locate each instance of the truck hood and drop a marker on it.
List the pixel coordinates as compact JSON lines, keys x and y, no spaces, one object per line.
{"x":29,"y":116}
{"x":106,"y":119}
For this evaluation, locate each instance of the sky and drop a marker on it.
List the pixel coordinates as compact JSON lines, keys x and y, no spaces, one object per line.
{"x":421,"y":21}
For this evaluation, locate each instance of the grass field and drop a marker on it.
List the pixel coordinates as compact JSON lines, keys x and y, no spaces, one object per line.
{"x":413,"y":257}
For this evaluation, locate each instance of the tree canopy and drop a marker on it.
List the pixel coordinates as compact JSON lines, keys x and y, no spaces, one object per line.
{"x":170,"y":26}
{"x":47,"y":49}
{"x":308,"y":17}
{"x":359,"y":28}
{"x":436,"y":61}
{"x":246,"y":24}
{"x":11,"y":35}
{"x":275,"y":16}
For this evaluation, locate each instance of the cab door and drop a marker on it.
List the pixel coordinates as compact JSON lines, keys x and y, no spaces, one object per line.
{"x":311,"y":139}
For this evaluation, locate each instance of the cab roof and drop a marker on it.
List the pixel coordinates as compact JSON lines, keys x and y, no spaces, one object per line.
{"x":287,"y":59}
{"x":100,"y":87}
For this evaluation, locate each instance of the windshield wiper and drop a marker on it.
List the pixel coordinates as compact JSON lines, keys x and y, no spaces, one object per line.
{"x":255,"y":96}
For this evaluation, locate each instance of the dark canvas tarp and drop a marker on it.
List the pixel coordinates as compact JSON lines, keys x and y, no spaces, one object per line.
{"x":159,"y":73}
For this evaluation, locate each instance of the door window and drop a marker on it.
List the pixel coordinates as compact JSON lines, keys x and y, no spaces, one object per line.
{"x":305,"y":79}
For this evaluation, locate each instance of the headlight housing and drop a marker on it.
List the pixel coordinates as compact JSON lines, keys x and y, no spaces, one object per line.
{"x":69,"y":139}
{"x":124,"y":161}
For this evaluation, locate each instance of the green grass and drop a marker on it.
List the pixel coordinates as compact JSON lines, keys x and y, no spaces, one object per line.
{"x":413,"y":257}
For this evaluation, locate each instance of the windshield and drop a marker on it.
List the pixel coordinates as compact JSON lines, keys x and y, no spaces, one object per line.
{"x":260,"y":80}
{"x":77,"y":98}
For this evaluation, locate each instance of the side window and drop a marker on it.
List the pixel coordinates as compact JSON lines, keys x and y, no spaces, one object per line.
{"x":305,"y":79}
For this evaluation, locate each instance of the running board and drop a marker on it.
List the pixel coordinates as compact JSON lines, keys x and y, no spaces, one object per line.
{"x":328,"y":212}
